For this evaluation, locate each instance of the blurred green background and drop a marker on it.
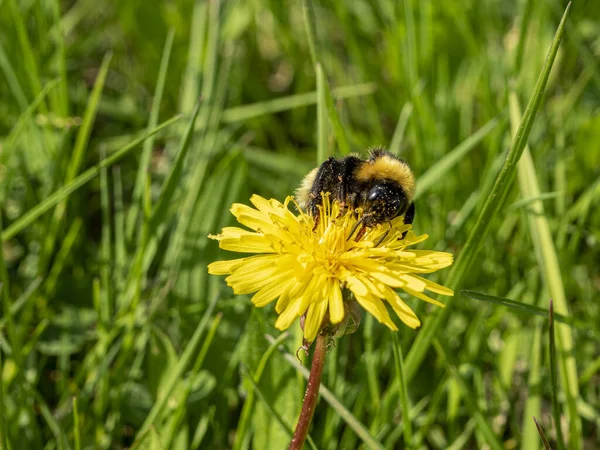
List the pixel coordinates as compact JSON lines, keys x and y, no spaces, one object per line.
{"x":112,"y":334}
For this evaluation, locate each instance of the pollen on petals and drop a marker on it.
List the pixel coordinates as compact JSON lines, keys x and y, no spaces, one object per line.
{"x":313,"y":270}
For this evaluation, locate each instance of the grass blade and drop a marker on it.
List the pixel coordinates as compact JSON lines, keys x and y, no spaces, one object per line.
{"x":482,"y":423}
{"x":12,"y":79}
{"x":5,"y":306}
{"x":246,"y":112}
{"x":270,"y":408}
{"x":249,"y":403}
{"x":159,"y":210}
{"x":531,"y":309}
{"x":525,"y":202}
{"x":3,"y":424}
{"x":120,"y":250}
{"x":310,"y":25}
{"x":444,"y":165}
{"x":106,"y":249}
{"x":529,"y":440}
{"x":168,"y":434}
{"x":398,"y":136}
{"x":75,"y":160}
{"x":554,"y":378}
{"x":83,"y":136}
{"x":76,"y":430}
{"x":59,"y":434}
{"x":20,"y":302}
{"x":175,"y":374}
{"x":492,"y":206}
{"x":523,"y":29}
{"x":406,"y":420}
{"x":542,"y":435}
{"x":142,"y":173}
{"x":189,"y":85}
{"x":60,"y":98}
{"x":25,"y":117}
{"x":30,"y":216}
{"x":462,"y":440}
{"x":549,"y":265}
{"x":322,"y":129}
{"x":330,"y":398}
{"x":62,"y":255}
{"x":27,"y":55}
{"x":325,"y":103}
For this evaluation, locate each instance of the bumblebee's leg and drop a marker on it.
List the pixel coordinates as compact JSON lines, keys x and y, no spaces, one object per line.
{"x":409,"y":216}
{"x":325,"y":181}
{"x":360,"y":223}
{"x":384,"y":234}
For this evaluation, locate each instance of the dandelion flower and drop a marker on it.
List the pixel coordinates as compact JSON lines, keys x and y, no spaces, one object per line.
{"x":307,"y":268}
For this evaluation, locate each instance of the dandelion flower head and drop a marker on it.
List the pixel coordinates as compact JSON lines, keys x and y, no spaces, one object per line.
{"x":309,"y":269}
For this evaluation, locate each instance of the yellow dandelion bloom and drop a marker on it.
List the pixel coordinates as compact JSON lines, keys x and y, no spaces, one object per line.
{"x":306,"y":268}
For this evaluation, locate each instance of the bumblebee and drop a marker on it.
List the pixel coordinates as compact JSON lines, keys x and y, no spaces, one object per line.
{"x":383,"y":185}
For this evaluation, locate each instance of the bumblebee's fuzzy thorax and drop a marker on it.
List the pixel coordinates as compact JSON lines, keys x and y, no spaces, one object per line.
{"x":383,"y":166}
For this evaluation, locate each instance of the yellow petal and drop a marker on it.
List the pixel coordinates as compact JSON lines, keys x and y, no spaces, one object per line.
{"x":259,"y":266}
{"x":244,"y":281}
{"x":270,"y":292}
{"x":254,"y":264}
{"x":434,"y":287}
{"x":431,"y":261}
{"x":423,"y":297}
{"x":258,"y":224}
{"x":250,"y":243}
{"x":264,"y":206}
{"x":239,"y":210}
{"x":355,"y":285}
{"x":290,"y":262}
{"x":375,"y":288}
{"x":292,"y":294}
{"x":336,"y":301}
{"x":222,"y":267}
{"x":229,"y":233}
{"x":413,"y":283}
{"x":247,"y":287}
{"x":314,"y":292}
{"x":377,"y":309}
{"x":284,"y":299}
{"x":287,"y":317}
{"x":410,"y":319}
{"x":387,"y":278}
{"x":314,"y":320}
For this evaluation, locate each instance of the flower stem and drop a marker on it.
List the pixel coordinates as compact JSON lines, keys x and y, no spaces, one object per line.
{"x":312,"y":394}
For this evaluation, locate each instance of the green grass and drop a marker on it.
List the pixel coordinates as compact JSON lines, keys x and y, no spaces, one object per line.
{"x":127,"y":130}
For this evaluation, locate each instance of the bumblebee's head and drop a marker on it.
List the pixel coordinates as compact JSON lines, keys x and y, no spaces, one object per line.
{"x":384,"y":201}
{"x":389,"y":185}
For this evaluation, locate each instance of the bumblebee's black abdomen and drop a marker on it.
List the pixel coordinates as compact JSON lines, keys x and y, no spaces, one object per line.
{"x":336,"y":177}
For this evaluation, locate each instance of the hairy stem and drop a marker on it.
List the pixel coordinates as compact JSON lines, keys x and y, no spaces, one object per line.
{"x":312,"y":394}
